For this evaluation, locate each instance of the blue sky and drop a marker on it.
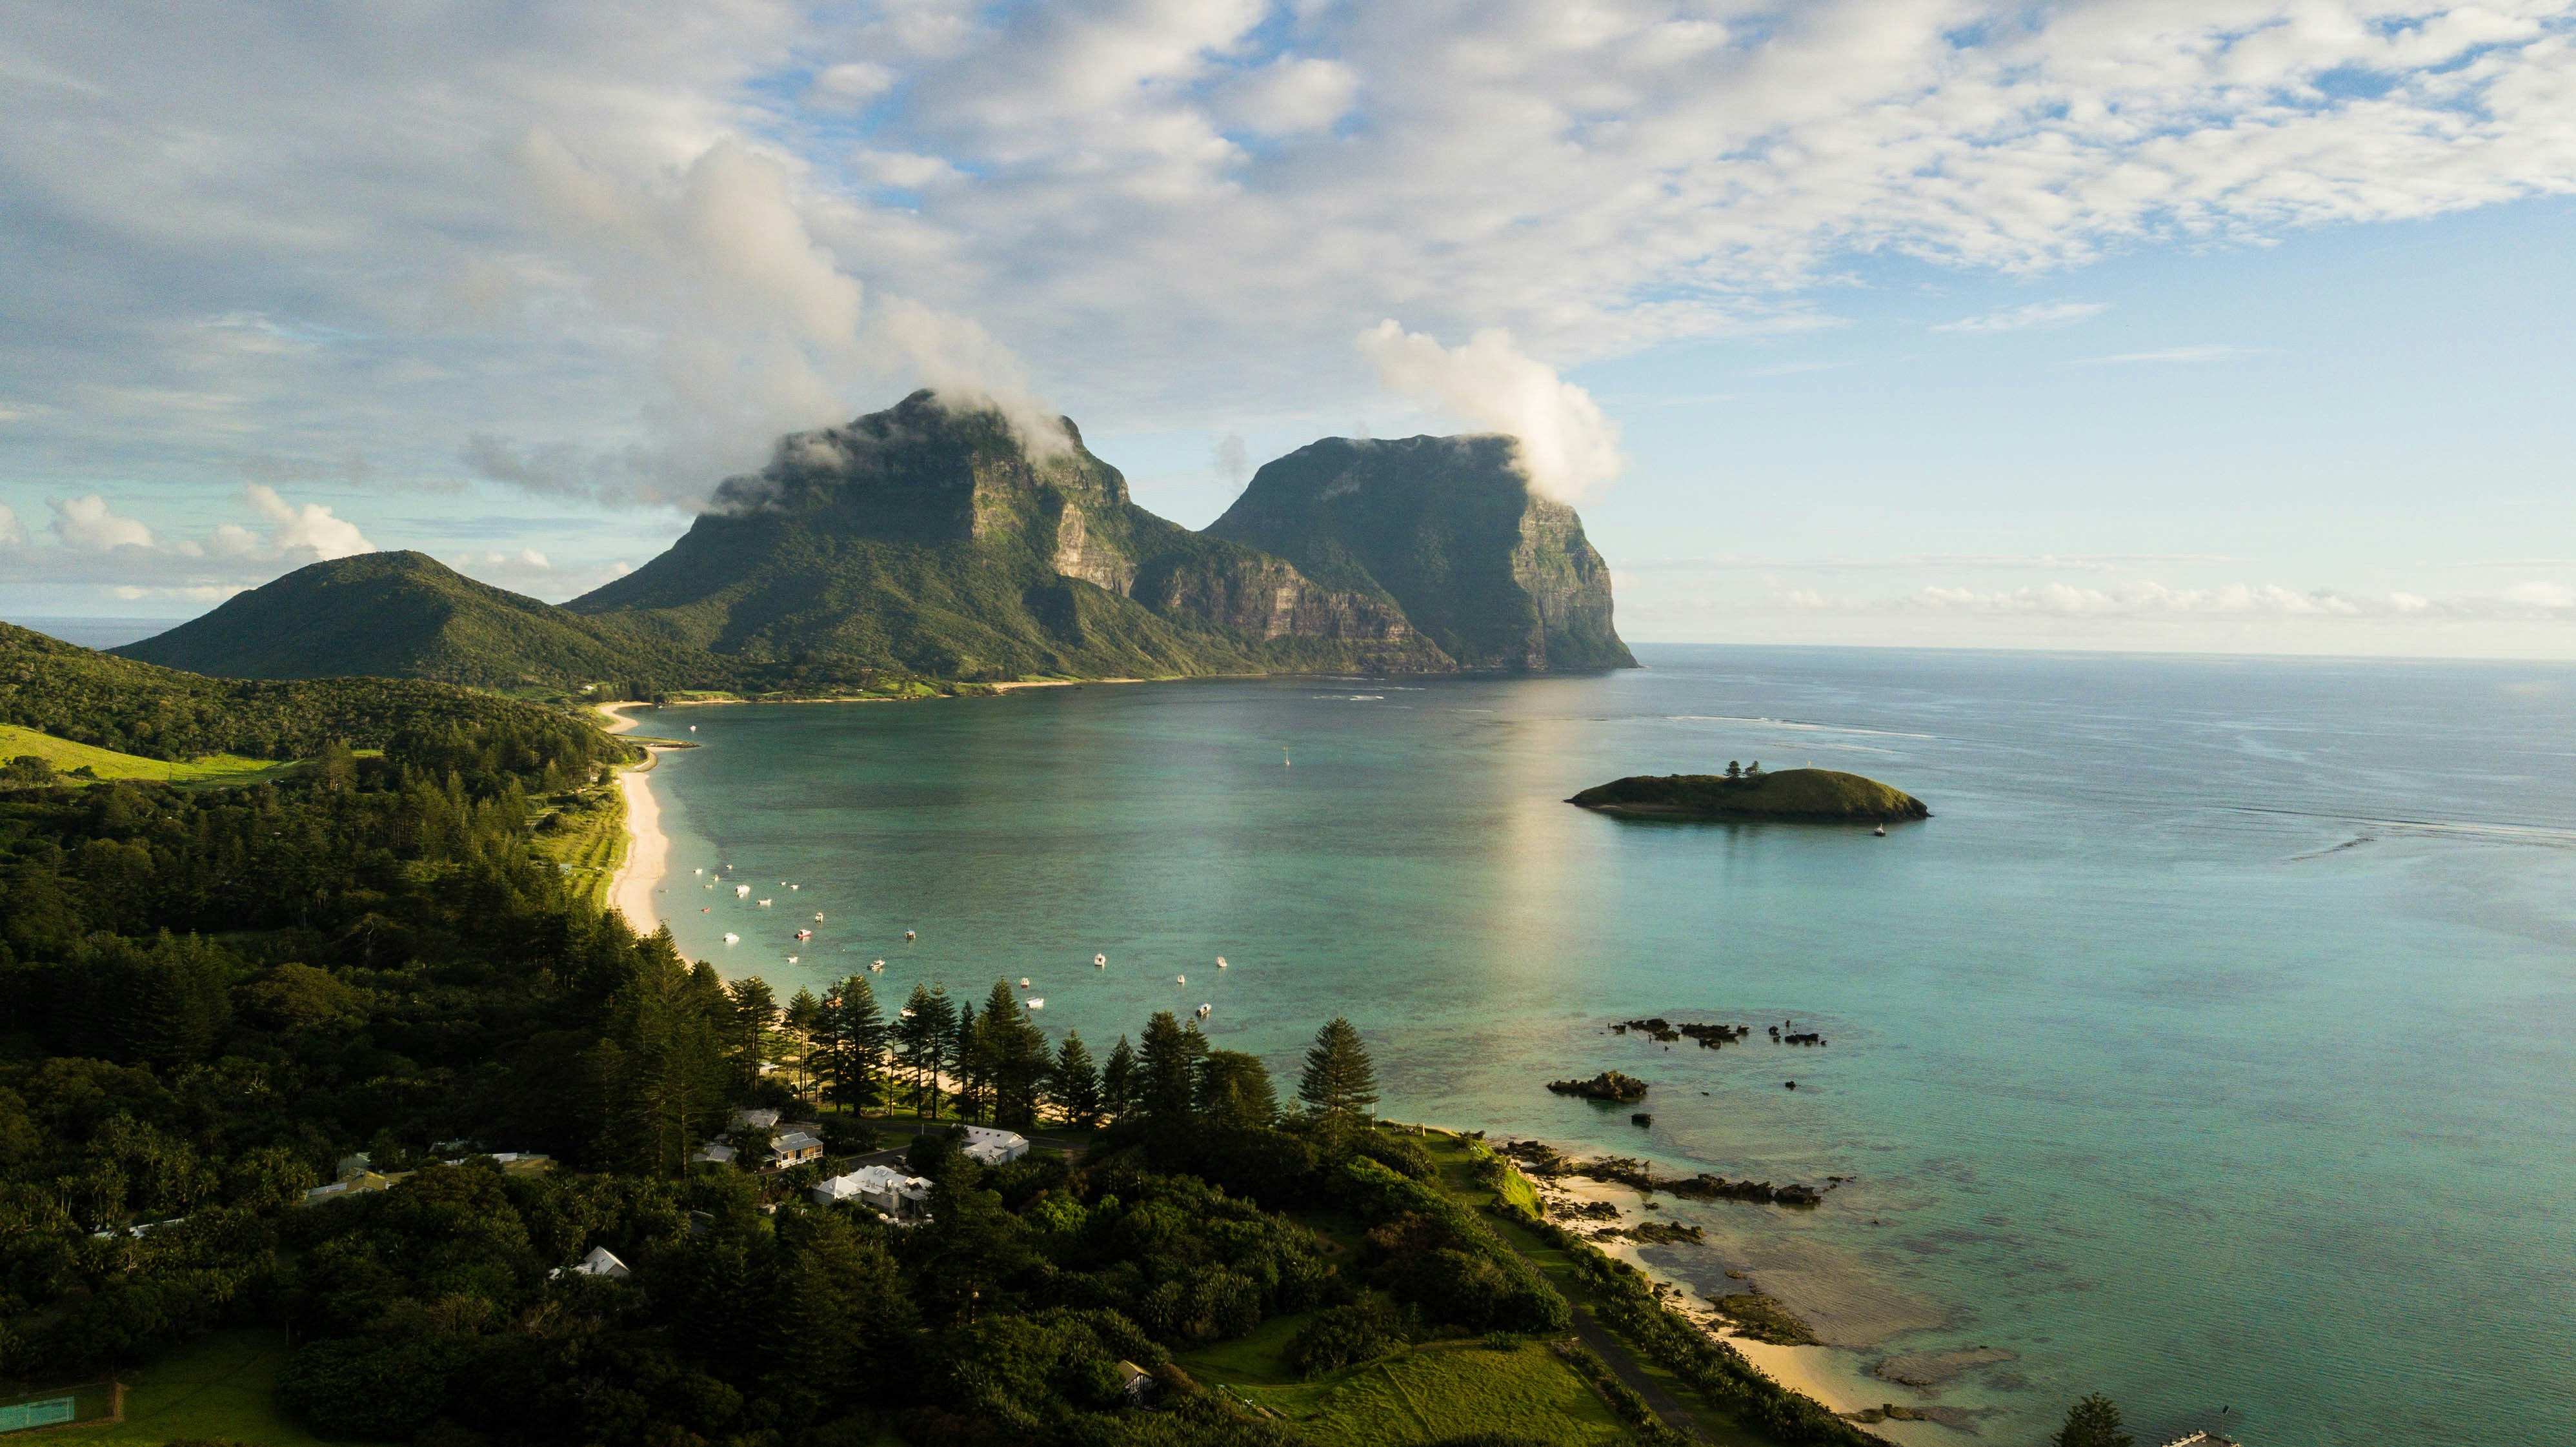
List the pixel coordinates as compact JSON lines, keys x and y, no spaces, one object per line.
{"x":2157,"y":326}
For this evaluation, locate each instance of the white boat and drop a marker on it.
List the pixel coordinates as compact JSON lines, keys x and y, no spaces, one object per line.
{"x":1038,"y":1003}
{"x":1180,"y":979}
{"x":1100,"y":962}
{"x":733,"y":939}
{"x":1880,"y":831}
{"x":742,"y":891}
{"x":907,"y":937}
{"x":804,"y":934}
{"x":1024,"y":982}
{"x":818,"y":916}
{"x":1204,"y":1009}
{"x":879,"y":967}
{"x":791,"y":959}
{"x":764,"y":904}
{"x":697,"y":871}
{"x":1220,"y":962}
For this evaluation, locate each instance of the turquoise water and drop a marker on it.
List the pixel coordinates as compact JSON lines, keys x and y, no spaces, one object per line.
{"x":2215,"y":1044}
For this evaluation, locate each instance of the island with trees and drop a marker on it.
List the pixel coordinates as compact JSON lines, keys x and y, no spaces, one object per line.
{"x":1814,"y":796}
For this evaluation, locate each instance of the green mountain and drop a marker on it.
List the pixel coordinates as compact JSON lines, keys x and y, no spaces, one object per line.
{"x":70,"y":692}
{"x":407,"y":615}
{"x":931,"y":538}
{"x":1446,"y":529}
{"x":928,"y":539}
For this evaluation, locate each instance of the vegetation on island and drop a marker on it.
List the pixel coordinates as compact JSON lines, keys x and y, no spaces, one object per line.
{"x":1795,"y":795}
{"x":129,"y":707}
{"x":927,"y":543}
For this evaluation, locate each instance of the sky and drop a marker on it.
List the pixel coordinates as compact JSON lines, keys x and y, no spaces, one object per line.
{"x":2169,"y":326}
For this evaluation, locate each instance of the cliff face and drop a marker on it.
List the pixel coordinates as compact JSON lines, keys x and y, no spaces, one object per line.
{"x":933,"y":538}
{"x":1447,"y":529}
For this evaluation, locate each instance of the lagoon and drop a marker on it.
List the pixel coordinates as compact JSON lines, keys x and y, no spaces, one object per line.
{"x":2214,"y":1044}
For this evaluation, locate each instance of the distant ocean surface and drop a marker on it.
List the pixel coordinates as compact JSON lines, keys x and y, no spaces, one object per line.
{"x":2214,"y":1044}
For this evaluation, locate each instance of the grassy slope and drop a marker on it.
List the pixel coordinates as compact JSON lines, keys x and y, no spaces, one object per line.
{"x":1787,"y":794}
{"x":222,"y":1386}
{"x":66,"y":756}
{"x":1457,"y":1159}
{"x":1426,"y":1393}
{"x":584,"y":833}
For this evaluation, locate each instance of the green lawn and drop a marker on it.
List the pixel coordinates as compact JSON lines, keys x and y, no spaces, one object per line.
{"x":66,"y":756}
{"x":586,"y":837}
{"x":1457,"y":1158}
{"x":1427,"y":1393}
{"x":222,"y":1386}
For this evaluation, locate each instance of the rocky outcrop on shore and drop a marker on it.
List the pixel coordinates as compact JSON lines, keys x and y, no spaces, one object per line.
{"x":1608,"y":1085}
{"x":1540,"y":1159}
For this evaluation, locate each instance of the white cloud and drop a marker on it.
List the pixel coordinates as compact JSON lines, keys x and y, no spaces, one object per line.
{"x":13,"y":533}
{"x":1566,"y":446}
{"x":308,"y":533}
{"x":1291,"y":94}
{"x":87,"y":525}
{"x":2530,"y":602}
{"x":849,"y":85}
{"x":2025,"y":318}
{"x":2215,"y":352}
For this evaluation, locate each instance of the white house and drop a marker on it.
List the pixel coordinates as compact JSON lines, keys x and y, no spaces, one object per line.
{"x":755,"y":1120}
{"x":794,"y":1148}
{"x":603,"y":1262}
{"x":986,"y":1146}
{"x":715,"y":1153}
{"x":889,"y":1190}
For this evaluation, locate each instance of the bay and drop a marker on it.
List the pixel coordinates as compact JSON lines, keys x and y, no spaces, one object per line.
{"x":2213,"y":1045}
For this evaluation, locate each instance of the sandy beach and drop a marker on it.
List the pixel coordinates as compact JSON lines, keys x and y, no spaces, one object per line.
{"x":648,"y":849}
{"x":1831,"y":1375}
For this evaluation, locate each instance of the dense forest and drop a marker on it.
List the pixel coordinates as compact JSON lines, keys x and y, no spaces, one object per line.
{"x":215,"y":1000}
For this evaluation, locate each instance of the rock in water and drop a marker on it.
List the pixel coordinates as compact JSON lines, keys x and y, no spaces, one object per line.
{"x":1448,"y":530}
{"x":1608,"y":1085}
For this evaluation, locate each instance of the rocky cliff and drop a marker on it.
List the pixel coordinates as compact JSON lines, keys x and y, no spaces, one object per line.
{"x":937,"y":538}
{"x":1447,"y":529}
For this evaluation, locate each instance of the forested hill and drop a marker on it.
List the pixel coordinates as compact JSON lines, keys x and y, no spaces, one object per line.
{"x":162,"y":713}
{"x":408,"y":615}
{"x":933,"y":541}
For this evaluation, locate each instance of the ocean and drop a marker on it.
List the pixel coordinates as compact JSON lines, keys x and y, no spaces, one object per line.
{"x":2212,"y":1046}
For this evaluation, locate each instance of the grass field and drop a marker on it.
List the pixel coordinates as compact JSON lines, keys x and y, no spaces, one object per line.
{"x":66,"y":756}
{"x":585,"y":834}
{"x":1458,"y":1160}
{"x":221,"y":1386}
{"x":1427,"y":1393}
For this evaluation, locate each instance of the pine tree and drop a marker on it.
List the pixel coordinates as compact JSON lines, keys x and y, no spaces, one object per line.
{"x":1014,"y":1058}
{"x":803,"y":1014}
{"x":921,"y":1043}
{"x":1340,"y":1085}
{"x":1235,"y":1092}
{"x":967,"y":1062}
{"x":1073,"y":1084}
{"x":2093,"y":1422}
{"x":1118,"y":1081}
{"x":755,"y":1010}
{"x":855,"y":1055}
{"x":1167,"y":1070}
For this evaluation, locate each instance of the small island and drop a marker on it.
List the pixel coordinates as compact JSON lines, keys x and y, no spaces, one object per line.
{"x":1815,"y":796}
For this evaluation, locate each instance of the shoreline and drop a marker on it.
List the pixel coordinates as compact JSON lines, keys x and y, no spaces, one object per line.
{"x":1828,"y":1374}
{"x":648,"y":849}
